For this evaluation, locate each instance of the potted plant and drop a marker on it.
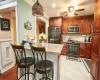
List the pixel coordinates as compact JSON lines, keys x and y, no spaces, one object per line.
{"x":42,"y":37}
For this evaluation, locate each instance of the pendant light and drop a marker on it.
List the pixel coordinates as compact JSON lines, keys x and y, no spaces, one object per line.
{"x":37,"y":9}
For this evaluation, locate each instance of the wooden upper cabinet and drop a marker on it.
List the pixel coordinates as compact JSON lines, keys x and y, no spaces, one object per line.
{"x":84,"y":22}
{"x":55,"y":21}
{"x":65,"y":26}
{"x":96,"y":28}
{"x":96,"y":1}
{"x":85,"y":26}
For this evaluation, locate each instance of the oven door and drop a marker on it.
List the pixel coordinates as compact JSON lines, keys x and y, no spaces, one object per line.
{"x":73,"y":50}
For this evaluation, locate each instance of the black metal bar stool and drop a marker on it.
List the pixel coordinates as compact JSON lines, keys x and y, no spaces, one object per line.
{"x":22,"y":61}
{"x":42,"y":65}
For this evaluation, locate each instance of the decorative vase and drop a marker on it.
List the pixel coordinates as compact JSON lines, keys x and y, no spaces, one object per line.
{"x":42,"y":42}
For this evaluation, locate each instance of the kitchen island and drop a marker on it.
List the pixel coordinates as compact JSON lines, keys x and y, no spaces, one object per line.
{"x":53,"y":51}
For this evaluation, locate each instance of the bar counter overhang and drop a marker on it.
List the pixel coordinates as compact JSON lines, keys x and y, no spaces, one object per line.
{"x":52,"y":52}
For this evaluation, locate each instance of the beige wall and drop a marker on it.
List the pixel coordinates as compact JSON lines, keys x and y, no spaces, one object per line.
{"x":5,"y":34}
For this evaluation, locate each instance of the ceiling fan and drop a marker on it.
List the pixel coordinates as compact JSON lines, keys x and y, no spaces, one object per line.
{"x":71,"y":11}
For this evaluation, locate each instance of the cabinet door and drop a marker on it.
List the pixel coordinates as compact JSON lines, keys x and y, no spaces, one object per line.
{"x":82,"y":50}
{"x":64,"y":50}
{"x":88,"y":50}
{"x":82,"y":26}
{"x":94,"y":66}
{"x":85,"y":26}
{"x":88,"y":23}
{"x":65,"y":26}
{"x":96,"y":28}
{"x":55,"y":21}
{"x":95,"y":44}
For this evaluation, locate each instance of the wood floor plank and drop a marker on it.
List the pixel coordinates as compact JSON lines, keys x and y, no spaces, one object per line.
{"x":10,"y":74}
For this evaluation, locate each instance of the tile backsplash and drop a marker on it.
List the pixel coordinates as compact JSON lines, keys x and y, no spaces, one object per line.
{"x":75,"y":37}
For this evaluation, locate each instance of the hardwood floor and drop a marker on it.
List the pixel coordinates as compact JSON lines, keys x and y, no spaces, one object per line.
{"x":10,"y":74}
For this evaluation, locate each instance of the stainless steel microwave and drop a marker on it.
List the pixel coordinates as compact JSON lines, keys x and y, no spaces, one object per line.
{"x":73,"y":29}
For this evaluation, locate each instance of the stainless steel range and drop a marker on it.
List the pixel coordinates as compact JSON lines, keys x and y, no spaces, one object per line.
{"x":73,"y":50}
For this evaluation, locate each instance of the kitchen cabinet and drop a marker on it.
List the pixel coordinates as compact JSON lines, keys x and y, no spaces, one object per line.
{"x":65,"y":26}
{"x":82,"y":50}
{"x":55,"y":21}
{"x":84,"y":22}
{"x":64,"y":50}
{"x":88,"y":50}
{"x":96,"y":28}
{"x":85,"y":26}
{"x":85,"y":50}
{"x":96,"y":1}
{"x":95,"y":44}
{"x":95,"y":57}
{"x":94,"y":66}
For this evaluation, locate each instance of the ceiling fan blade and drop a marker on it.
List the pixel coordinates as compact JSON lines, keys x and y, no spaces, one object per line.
{"x":65,"y":15}
{"x":64,"y":12}
{"x":75,"y":14}
{"x":80,"y":9}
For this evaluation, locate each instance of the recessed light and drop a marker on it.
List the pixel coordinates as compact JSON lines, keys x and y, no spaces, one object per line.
{"x":53,"y":5}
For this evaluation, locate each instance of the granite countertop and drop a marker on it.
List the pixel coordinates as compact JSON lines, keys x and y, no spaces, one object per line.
{"x":79,"y":42}
{"x":51,"y":48}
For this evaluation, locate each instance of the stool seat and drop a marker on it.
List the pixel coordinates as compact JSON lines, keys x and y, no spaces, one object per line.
{"x":40,"y":68}
{"x":29,"y":61}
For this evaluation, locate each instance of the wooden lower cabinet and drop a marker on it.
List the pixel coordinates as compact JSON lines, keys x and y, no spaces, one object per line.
{"x":94,"y":66}
{"x":82,"y":50}
{"x":85,"y":50}
{"x":64,"y":50}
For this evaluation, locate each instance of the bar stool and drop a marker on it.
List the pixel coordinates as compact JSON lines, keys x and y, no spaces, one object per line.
{"x":22,"y":61}
{"x":42,"y":65}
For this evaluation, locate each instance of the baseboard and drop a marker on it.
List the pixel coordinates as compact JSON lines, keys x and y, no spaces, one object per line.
{"x":4,"y":70}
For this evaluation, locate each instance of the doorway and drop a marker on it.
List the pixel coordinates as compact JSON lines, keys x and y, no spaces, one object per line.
{"x":10,"y":14}
{"x":40,"y":27}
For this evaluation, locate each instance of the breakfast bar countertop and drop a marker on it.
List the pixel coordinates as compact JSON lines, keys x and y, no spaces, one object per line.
{"x":51,"y":48}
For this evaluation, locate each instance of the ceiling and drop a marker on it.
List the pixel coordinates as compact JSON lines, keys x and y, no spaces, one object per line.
{"x":62,"y":6}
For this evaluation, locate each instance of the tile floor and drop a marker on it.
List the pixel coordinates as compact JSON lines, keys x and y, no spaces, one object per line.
{"x":69,"y":70}
{"x":73,"y":70}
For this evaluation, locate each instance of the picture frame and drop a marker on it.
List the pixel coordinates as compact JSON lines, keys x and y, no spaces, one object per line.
{"x":4,"y":24}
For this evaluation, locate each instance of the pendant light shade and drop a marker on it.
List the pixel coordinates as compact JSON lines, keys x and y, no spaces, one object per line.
{"x":37,"y":9}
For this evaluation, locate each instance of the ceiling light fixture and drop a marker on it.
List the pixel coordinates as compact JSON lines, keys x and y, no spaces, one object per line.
{"x":37,"y":9}
{"x":70,"y":14}
{"x":71,"y":9}
{"x":54,"y":5}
